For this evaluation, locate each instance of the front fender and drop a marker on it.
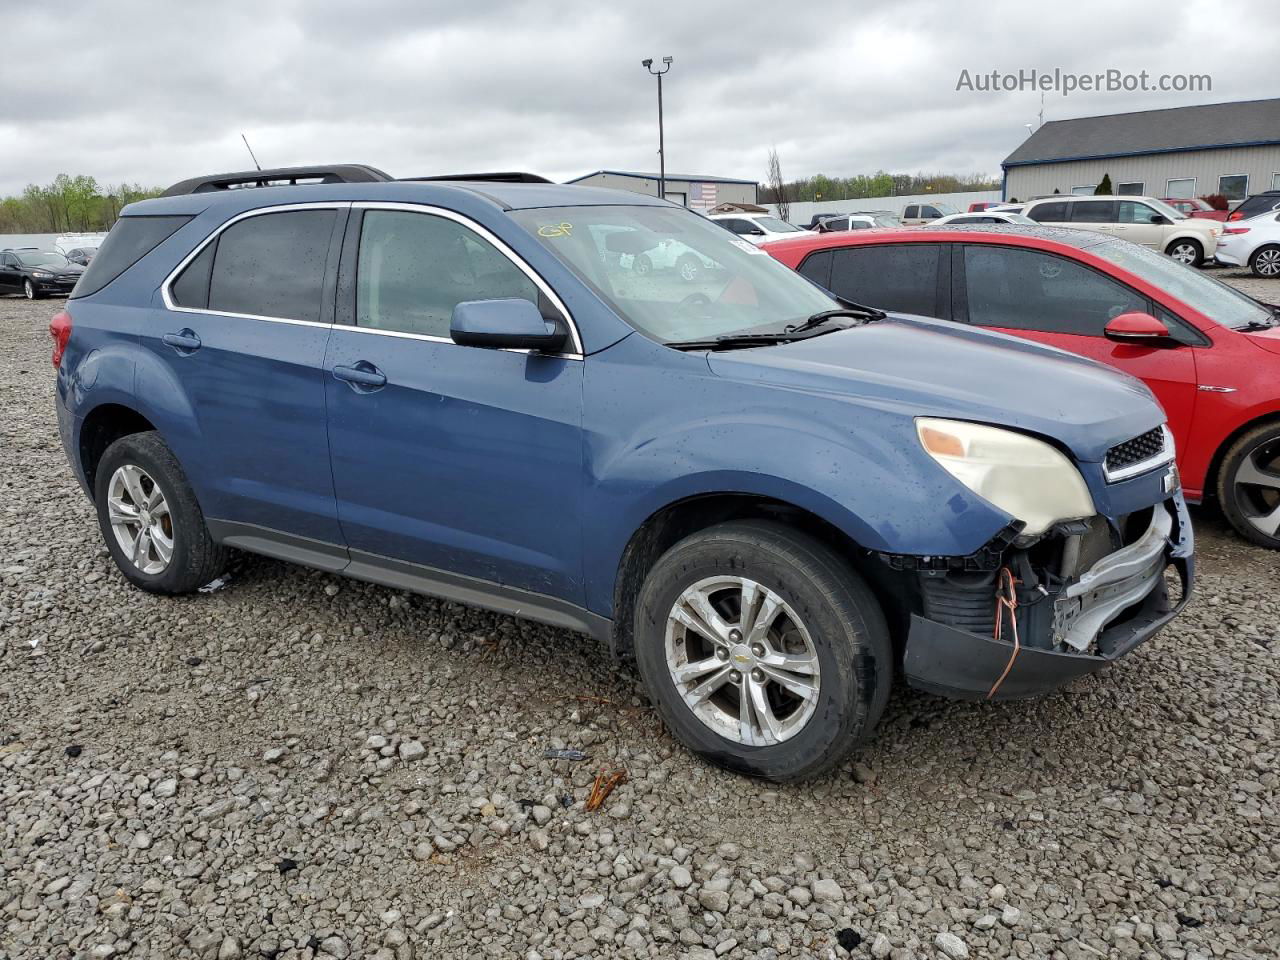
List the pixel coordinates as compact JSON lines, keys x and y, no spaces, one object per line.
{"x":859,"y":468}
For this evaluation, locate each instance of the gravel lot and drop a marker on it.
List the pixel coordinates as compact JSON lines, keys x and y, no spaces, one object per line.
{"x":301,"y":766}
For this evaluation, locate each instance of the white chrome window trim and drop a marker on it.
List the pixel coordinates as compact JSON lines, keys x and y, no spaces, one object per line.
{"x":1167,"y":455}
{"x":167,"y":296}
{"x":497,"y":244}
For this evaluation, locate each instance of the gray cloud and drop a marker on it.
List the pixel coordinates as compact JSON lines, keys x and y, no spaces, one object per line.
{"x":153,"y":92}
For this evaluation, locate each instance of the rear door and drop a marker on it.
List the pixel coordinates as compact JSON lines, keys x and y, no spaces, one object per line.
{"x":243,"y":339}
{"x":460,"y":459}
{"x":1099,"y":215}
{"x":1054,"y":300}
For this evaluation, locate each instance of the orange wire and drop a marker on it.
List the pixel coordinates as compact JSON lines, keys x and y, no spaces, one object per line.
{"x":1007,"y":602}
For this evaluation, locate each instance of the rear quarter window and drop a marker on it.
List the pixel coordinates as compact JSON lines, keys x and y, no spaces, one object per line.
{"x":131,"y":239}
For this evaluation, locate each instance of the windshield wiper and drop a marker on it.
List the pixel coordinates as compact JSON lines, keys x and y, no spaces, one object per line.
{"x":737,"y":341}
{"x":855,"y":310}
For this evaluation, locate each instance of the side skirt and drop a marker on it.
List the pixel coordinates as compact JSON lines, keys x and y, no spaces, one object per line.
{"x":416,"y":578}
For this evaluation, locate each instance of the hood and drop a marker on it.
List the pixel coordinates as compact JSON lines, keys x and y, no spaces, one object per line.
{"x":923,"y":367}
{"x":1268,"y":340}
{"x":65,"y":270}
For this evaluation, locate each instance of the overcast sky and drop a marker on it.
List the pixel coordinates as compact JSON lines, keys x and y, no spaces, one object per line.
{"x":154,"y":92}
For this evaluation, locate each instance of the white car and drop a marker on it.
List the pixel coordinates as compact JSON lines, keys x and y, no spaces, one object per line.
{"x":985,"y":216}
{"x":858,"y":221}
{"x":669,"y":254}
{"x":1144,"y":220}
{"x":756,"y":227}
{"x":1254,"y":243}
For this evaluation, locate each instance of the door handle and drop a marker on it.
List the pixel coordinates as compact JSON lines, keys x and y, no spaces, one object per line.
{"x":185,"y":341}
{"x":361,"y":375}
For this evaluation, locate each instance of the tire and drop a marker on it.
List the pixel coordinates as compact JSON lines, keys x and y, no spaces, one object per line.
{"x":642,"y":265}
{"x":1186,"y":251}
{"x":1265,"y":262}
{"x":689,"y":268}
{"x":30,"y":292}
{"x":1253,"y":509}
{"x":838,"y":624}
{"x":143,"y":463}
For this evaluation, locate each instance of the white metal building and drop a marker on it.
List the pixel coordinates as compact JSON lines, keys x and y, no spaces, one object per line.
{"x":1227,"y":148}
{"x":688,"y":190}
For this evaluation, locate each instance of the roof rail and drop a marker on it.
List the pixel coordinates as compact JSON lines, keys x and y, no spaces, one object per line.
{"x":502,"y":177}
{"x":279,"y":176}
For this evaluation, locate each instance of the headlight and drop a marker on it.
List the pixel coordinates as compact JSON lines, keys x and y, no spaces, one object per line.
{"x":1019,"y":474}
{"x":41,"y":275}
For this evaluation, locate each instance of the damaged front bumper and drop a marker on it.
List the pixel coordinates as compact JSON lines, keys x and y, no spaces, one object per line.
{"x":1067,"y":627}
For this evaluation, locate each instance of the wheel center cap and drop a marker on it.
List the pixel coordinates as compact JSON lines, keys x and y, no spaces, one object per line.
{"x":741,"y":656}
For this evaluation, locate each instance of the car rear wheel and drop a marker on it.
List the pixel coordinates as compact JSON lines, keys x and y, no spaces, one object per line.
{"x":29,"y":290}
{"x":763,"y":649}
{"x":1265,"y":262}
{"x":1186,"y":251}
{"x":642,"y":264}
{"x":150,"y":520}
{"x":1249,"y":485}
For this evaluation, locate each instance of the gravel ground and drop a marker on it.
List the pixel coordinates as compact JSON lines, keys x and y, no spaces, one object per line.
{"x":301,"y":766}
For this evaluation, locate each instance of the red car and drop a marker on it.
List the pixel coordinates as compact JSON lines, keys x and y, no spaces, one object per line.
{"x":979,"y":205}
{"x":1209,"y":353}
{"x":1196,"y":208}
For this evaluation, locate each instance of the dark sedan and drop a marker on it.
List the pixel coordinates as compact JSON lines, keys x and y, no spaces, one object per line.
{"x":81,"y":255}
{"x":37,"y":273}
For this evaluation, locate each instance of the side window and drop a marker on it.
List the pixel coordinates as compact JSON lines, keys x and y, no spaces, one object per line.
{"x":191,"y":289}
{"x":1093,"y":211}
{"x":1029,"y":290}
{"x":859,"y":225}
{"x":414,"y":268}
{"x":930,"y":212}
{"x":271,"y":265}
{"x":911,"y":212}
{"x":1132,"y":212}
{"x":899,"y":276}
{"x":837,"y":223}
{"x":817,"y":267}
{"x":1053,"y":212}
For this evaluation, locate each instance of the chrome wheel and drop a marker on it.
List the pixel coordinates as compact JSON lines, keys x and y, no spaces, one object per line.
{"x":1257,"y":488}
{"x":1266,"y":263}
{"x":1187,"y":253}
{"x":742,"y":661}
{"x":140,"y":519}
{"x":28,"y":289}
{"x":688,"y":269}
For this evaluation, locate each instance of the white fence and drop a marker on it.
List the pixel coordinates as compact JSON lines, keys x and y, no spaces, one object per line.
{"x":801,"y":213}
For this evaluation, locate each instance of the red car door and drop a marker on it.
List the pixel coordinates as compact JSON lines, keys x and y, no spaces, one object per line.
{"x":1061,"y":302}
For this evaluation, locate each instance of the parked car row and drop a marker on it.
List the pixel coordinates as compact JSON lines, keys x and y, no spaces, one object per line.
{"x":774,"y":499}
{"x":37,"y":273}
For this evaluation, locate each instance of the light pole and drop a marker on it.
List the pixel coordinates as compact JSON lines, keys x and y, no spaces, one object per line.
{"x":662,"y":153}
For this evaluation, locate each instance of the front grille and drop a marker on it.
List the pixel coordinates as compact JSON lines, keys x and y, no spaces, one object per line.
{"x":1140,"y":449}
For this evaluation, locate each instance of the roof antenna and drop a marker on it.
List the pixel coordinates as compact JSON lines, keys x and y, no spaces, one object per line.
{"x":250,"y":149}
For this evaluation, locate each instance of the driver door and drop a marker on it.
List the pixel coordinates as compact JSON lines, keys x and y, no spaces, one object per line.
{"x":1053,"y":300}
{"x":1134,"y":222}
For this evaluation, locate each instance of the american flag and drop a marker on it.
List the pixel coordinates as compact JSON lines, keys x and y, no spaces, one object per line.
{"x":702,"y":196}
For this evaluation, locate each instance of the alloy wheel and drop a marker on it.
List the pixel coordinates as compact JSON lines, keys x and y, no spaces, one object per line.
{"x":1267,"y":262}
{"x":140,"y":519}
{"x":688,"y":270}
{"x":1184,"y":253}
{"x":1256,"y":486}
{"x":742,"y":660}
{"x":28,"y":289}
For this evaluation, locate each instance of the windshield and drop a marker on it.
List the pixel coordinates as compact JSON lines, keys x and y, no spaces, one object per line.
{"x":672,"y":274}
{"x":774,"y":225}
{"x":1213,"y":298}
{"x":43,"y":258}
{"x":886,"y":220}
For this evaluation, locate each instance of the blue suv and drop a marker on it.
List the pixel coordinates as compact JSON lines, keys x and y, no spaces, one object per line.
{"x":487,"y":389}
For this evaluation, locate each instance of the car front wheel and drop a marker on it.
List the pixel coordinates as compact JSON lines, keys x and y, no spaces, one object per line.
{"x":763,"y":649}
{"x":1186,"y":251}
{"x":29,"y":290}
{"x":150,"y":520}
{"x":1265,"y":262}
{"x":1249,"y":485}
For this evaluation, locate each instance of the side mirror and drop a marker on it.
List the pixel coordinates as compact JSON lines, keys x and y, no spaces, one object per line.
{"x":1139,"y":330}
{"x":504,"y":324}
{"x":1160,"y":219}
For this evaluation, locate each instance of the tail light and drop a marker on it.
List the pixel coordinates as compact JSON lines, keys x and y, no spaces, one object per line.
{"x":1235,"y":216}
{"x":60,"y":331}
{"x":1237,"y":230}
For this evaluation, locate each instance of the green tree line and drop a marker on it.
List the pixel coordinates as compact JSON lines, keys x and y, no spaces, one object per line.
{"x":69,"y":205}
{"x":878,"y":184}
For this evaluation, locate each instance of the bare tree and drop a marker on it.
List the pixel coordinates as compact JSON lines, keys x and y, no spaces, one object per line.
{"x":778,"y":186}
